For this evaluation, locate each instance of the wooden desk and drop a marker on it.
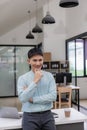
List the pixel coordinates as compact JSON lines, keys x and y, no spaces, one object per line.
{"x":74,"y":122}
{"x":76,"y":88}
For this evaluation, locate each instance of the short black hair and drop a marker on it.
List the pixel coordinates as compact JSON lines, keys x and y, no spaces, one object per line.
{"x":34,"y":51}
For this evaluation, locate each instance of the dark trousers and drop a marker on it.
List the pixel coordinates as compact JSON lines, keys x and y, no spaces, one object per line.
{"x":38,"y":121}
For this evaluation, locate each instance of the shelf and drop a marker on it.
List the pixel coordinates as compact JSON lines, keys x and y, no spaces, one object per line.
{"x":46,"y":65}
{"x":64,"y":64}
{"x":55,"y":64}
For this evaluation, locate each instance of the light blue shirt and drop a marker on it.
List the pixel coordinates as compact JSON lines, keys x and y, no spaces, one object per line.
{"x":43,"y":93}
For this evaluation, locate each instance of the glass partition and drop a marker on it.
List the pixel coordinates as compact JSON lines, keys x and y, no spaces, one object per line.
{"x":13,"y":63}
{"x":21,"y":61}
{"x":6,"y":71}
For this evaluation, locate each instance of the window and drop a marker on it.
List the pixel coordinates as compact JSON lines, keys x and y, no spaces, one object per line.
{"x":76,"y":51}
{"x":71,"y":56}
{"x":86,"y":56}
{"x":80,"y":57}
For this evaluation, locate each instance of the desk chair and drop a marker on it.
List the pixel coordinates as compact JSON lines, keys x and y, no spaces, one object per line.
{"x":63,"y":101}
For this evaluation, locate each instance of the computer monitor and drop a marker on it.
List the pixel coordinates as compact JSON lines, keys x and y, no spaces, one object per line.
{"x":68,"y":77}
{"x":64,"y":77}
{"x":59,"y":78}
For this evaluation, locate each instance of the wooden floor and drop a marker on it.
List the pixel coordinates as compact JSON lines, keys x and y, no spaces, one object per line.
{"x":83,"y":103}
{"x":14,"y":102}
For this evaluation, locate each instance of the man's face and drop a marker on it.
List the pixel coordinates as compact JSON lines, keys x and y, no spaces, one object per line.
{"x":36,"y":62}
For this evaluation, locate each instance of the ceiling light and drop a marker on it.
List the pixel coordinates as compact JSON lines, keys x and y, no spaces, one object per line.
{"x":48,"y":19}
{"x":37,"y":28}
{"x":30,"y":35}
{"x":68,"y":3}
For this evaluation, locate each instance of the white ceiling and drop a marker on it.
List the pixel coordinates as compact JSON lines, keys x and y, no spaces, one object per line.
{"x":14,"y":12}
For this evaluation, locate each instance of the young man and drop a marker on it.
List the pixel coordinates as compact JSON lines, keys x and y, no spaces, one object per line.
{"x":37,"y":91}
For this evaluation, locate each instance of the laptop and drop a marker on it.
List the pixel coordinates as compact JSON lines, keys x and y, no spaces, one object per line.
{"x":9,"y":112}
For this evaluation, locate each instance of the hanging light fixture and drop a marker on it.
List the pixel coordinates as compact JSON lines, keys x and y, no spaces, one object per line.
{"x":37,"y":28}
{"x":48,"y":19}
{"x":68,"y":3}
{"x":30,"y":35}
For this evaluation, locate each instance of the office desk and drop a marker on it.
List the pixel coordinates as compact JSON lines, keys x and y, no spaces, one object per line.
{"x":76,"y":88}
{"x":74,"y":122}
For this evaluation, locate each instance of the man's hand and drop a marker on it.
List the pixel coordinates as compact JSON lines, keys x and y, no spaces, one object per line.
{"x":25,"y":87}
{"x":38,"y":75}
{"x":31,"y":100}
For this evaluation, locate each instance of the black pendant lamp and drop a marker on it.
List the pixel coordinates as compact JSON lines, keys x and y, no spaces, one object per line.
{"x":48,"y":19}
{"x":37,"y":28}
{"x":68,"y":3}
{"x":30,"y":35}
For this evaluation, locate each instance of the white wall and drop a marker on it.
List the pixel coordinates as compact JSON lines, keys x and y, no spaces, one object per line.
{"x":82,"y":83}
{"x":76,"y":19}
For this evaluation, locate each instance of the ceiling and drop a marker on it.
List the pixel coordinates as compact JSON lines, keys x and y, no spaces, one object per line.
{"x":14,"y":12}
